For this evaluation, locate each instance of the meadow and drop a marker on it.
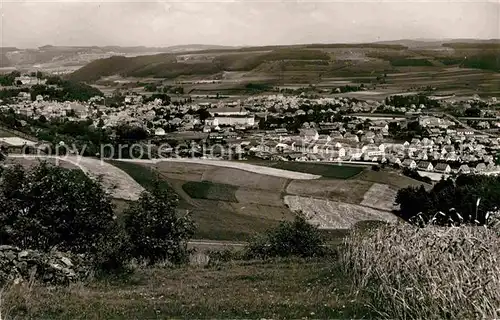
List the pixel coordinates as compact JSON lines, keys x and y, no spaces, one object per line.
{"x":277,"y":289}
{"x":234,"y":204}
{"x":325,"y":170}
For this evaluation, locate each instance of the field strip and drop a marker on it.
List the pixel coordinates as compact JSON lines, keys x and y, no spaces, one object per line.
{"x":379,"y":196}
{"x":114,"y":180}
{"x":327,"y":214}
{"x":235,"y":165}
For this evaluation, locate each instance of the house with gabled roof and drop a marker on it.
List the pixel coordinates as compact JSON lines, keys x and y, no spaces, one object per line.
{"x":309,"y":134}
{"x":336,"y":135}
{"x":481,"y":167}
{"x":409,"y":163}
{"x":425,"y":166}
{"x":452,"y":156}
{"x":415,"y":141}
{"x":427,"y":142}
{"x":464,"y":169}
{"x":351,"y":137}
{"x":394,"y":160}
{"x":442,"y":168}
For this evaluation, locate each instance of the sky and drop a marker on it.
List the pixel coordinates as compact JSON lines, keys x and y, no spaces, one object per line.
{"x":158,"y":23}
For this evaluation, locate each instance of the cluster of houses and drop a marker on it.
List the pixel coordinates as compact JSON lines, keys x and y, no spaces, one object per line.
{"x":444,"y":149}
{"x":159,"y":118}
{"x":445,"y":168}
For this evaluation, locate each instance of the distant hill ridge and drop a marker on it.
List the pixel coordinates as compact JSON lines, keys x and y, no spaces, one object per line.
{"x":217,"y":60}
{"x":313,"y":58}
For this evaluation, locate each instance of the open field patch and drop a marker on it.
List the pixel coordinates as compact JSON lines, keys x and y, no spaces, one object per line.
{"x":31,"y":162}
{"x":210,"y":190}
{"x":351,"y":191}
{"x":222,"y":220}
{"x":177,"y":170}
{"x":258,"y":196}
{"x":5,"y":134}
{"x":325,"y":170}
{"x":391,"y":178}
{"x":380,"y":196}
{"x":327,"y":214}
{"x":240,"y":165}
{"x":246,"y":179}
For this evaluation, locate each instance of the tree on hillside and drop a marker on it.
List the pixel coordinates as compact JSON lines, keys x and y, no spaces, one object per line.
{"x":157,"y":231}
{"x":472,"y":197}
{"x":127,"y":132}
{"x":473,"y":112}
{"x":47,"y":206}
{"x":203,"y":114}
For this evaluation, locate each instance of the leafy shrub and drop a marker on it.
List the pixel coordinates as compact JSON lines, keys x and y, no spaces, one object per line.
{"x":157,"y":232}
{"x":47,"y":206}
{"x":217,"y":257}
{"x":413,"y":173}
{"x":114,"y":251}
{"x":429,"y":273}
{"x":290,"y":238}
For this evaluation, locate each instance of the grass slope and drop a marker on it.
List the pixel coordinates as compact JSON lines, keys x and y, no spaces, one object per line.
{"x":281,"y":289}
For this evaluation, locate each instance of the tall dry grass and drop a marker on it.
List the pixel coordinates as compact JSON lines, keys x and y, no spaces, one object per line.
{"x":16,"y":295}
{"x":427,"y":273}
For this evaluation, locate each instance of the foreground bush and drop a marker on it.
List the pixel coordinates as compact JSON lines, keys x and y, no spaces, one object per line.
{"x":46,"y":207}
{"x":427,"y":273}
{"x":156,"y":230}
{"x":290,"y":238}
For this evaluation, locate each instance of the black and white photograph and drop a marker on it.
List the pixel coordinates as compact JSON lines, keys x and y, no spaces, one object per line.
{"x":249,"y":159}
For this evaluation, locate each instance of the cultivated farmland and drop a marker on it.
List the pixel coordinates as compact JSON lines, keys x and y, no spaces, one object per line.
{"x":234,"y":165}
{"x":325,"y":170}
{"x":380,"y":196}
{"x":329,"y":214}
{"x":210,"y":191}
{"x":351,"y":191}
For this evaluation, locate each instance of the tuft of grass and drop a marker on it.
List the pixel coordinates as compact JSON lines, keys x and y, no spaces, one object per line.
{"x":426,"y":273}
